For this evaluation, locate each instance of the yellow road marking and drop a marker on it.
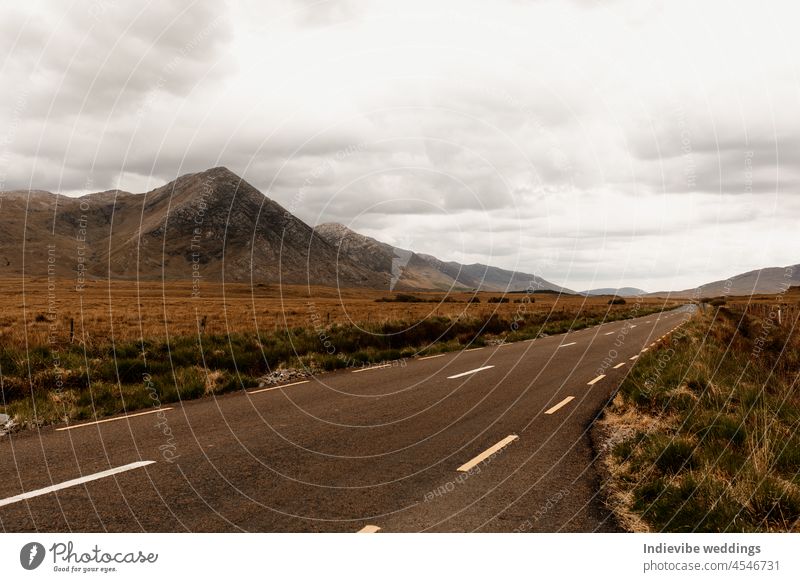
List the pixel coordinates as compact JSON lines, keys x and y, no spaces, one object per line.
{"x":487,"y":453}
{"x":564,"y":402}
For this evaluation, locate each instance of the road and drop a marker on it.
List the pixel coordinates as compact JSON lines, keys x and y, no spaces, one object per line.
{"x":489,"y":439}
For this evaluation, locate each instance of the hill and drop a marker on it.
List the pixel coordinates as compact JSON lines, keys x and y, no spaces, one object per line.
{"x":622,"y":291}
{"x":771,"y":280}
{"x":406,"y":269}
{"x":210,"y":225}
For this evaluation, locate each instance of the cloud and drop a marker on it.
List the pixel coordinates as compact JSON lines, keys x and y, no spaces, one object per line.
{"x":598,"y":144}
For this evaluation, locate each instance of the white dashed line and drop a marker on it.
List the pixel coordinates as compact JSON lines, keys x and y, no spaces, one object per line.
{"x":372,"y":368}
{"x":487,"y":453}
{"x":369,"y":529}
{"x":473,"y":349}
{"x":634,"y":357}
{"x":619,"y":365}
{"x":564,"y":402}
{"x":469,"y":372}
{"x":271,"y":388}
{"x":569,"y":344}
{"x":113,"y":419}
{"x":74,"y":482}
{"x":431,"y":357}
{"x":596,"y":380}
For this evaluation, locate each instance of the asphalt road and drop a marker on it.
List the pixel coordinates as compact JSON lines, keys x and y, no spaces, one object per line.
{"x":377,"y":449}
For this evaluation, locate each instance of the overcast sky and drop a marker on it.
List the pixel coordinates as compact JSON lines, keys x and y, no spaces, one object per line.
{"x":647,"y":144}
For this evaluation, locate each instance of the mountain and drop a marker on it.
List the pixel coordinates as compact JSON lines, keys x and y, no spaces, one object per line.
{"x":622,"y":291}
{"x":771,"y":280}
{"x":407,"y":270}
{"x":209,"y":225}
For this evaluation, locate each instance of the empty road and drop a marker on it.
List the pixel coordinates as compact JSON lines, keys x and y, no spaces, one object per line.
{"x":488,"y":439}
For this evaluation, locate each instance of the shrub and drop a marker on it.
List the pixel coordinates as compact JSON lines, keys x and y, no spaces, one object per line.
{"x":498,"y":300}
{"x":617,"y":301}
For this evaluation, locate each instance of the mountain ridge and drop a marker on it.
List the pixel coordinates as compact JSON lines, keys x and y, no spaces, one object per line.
{"x":407,"y":269}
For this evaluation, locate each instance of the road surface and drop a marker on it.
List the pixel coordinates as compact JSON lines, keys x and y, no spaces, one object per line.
{"x":489,"y":439}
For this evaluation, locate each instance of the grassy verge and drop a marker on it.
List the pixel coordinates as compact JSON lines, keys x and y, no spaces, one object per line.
{"x":703,"y":433}
{"x":72,"y":382}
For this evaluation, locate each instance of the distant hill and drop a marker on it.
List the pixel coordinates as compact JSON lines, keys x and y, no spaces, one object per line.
{"x":214,"y":225}
{"x":622,"y":291}
{"x":211,"y":225}
{"x":406,"y":269}
{"x":761,"y":281}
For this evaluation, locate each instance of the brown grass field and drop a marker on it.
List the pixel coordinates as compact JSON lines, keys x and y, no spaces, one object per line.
{"x":68,"y":355}
{"x":128,"y":310}
{"x":703,"y":433}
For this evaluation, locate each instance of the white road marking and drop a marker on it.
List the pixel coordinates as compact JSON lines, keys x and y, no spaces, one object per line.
{"x":369,"y":529}
{"x":634,"y":357}
{"x":609,"y":333}
{"x":564,"y":402}
{"x":596,"y":380}
{"x":632,"y":326}
{"x":569,"y":344}
{"x":278,"y":387}
{"x":73,"y":482}
{"x":113,"y":419}
{"x":487,"y":453}
{"x":619,"y":365}
{"x":372,"y":368}
{"x":434,"y":356}
{"x":469,"y":372}
{"x":473,"y":349}
{"x":644,"y":350}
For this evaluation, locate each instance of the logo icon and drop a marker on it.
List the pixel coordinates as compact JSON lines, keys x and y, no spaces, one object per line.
{"x":31,"y":555}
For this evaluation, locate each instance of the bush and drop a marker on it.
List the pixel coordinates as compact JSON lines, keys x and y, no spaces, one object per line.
{"x":617,"y":301}
{"x":498,"y":300}
{"x":401,"y":298}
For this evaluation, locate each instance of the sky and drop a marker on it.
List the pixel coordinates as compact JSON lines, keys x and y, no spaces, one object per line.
{"x":626,"y":143}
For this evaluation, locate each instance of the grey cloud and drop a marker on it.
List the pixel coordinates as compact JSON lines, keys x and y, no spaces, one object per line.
{"x":104,"y":55}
